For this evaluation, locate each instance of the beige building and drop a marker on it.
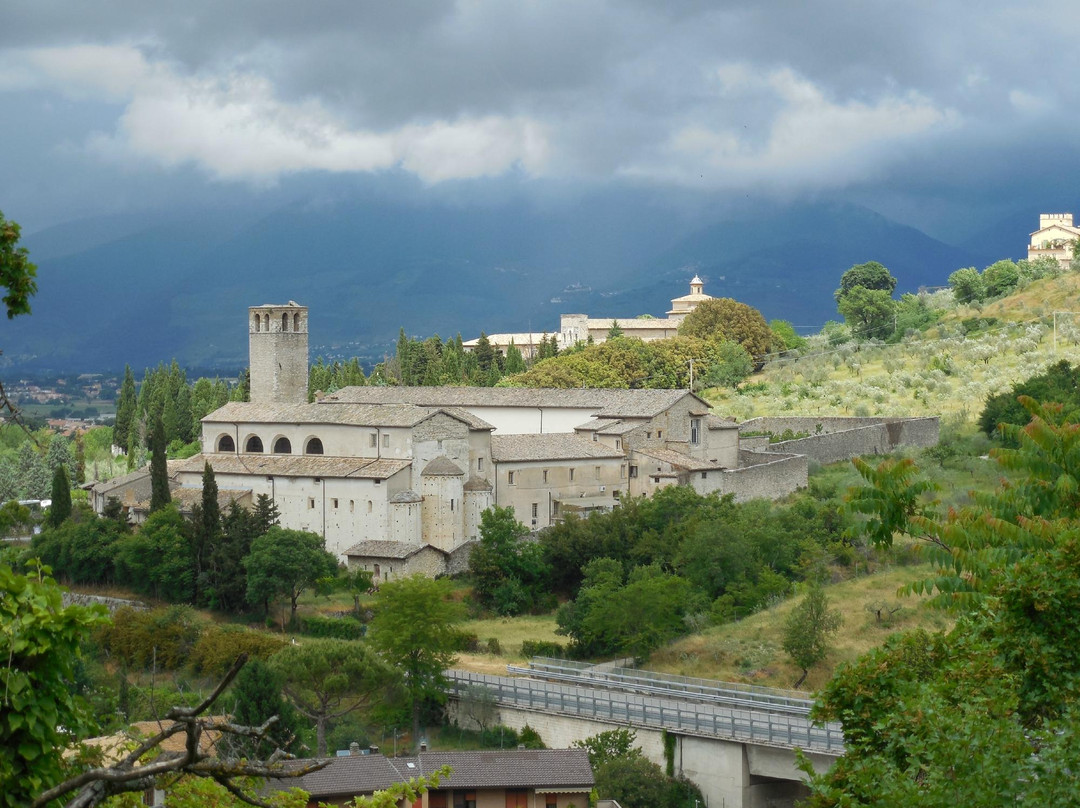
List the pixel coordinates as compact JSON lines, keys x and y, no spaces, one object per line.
{"x":1054,"y":238}
{"x":575,"y":328}
{"x":395,"y":478}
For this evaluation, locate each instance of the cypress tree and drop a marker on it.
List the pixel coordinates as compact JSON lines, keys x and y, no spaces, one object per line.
{"x":61,"y":497}
{"x":125,"y":409}
{"x":484,"y":353}
{"x":159,"y":469}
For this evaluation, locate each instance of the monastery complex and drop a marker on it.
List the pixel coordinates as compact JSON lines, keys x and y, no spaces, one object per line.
{"x":575,"y":328}
{"x":395,"y":478}
{"x":1054,"y":238}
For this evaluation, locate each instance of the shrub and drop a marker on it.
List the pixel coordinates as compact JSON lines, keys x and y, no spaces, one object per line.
{"x":467,"y":641}
{"x":162,"y":637}
{"x":543,"y":648}
{"x":338,"y":628}
{"x":218,"y":646}
{"x":493,"y":646}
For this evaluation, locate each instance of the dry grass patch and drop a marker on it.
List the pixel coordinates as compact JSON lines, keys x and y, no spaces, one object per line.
{"x":751,"y":650}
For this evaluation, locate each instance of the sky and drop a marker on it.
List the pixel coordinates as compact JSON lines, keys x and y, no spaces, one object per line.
{"x":937,"y":113}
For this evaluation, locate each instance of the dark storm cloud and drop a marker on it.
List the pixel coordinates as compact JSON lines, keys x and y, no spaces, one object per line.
{"x":783,"y":97}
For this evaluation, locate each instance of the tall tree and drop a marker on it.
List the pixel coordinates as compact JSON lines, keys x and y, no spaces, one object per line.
{"x":257,"y":696}
{"x":159,"y":469}
{"x":283,"y":564}
{"x":807,"y":630}
{"x":413,"y":629}
{"x":727,"y":319}
{"x":125,"y":409}
{"x":61,"y":497}
{"x":484,"y":353}
{"x":205,"y":531}
{"x":327,"y":679}
{"x":870,"y":275}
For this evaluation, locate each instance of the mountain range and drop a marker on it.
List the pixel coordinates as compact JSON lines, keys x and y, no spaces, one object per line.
{"x":151,"y":287}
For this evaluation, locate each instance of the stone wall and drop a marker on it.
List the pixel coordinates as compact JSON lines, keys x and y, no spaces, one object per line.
{"x":112,"y":604}
{"x":764,"y":476}
{"x":458,"y":560}
{"x":835,"y":438}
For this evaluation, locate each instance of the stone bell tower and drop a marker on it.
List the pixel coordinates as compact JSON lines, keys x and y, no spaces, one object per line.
{"x":278,"y":353}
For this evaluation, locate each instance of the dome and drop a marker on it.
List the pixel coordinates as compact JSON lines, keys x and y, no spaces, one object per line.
{"x":442,"y":466}
{"x":476,"y":484}
{"x":406,"y":496}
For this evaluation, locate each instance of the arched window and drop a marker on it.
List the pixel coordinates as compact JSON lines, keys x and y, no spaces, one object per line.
{"x":225,"y":444}
{"x":258,"y":322}
{"x":282,"y":446}
{"x":285,"y":321}
{"x":296,"y":322}
{"x":266,"y":322}
{"x":253,"y":445}
{"x":314,"y":446}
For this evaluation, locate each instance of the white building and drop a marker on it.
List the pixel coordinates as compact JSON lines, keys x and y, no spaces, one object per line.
{"x":1054,"y":238}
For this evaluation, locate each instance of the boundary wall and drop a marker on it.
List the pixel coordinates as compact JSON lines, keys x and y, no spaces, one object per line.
{"x":833,"y":438}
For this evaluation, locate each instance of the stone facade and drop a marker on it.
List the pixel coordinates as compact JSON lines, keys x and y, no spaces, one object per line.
{"x":399,"y":476}
{"x":1054,"y":238}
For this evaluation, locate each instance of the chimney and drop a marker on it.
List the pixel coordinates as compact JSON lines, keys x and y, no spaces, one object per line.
{"x":423,"y":746}
{"x":354,"y":748}
{"x":373,"y":749}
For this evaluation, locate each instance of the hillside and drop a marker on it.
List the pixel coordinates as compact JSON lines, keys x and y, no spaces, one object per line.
{"x":947,"y":370}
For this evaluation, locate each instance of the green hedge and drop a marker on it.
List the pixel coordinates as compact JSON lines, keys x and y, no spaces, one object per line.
{"x":338,"y":628}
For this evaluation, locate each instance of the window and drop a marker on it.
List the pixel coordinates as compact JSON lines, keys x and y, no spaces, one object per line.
{"x":314,"y":447}
{"x":225,"y":444}
{"x":258,"y":323}
{"x":352,"y":506}
{"x":595,"y":437}
{"x":659,"y":434}
{"x":555,"y":508}
{"x":284,"y":322}
{"x":464,"y":799}
{"x":622,"y":472}
{"x":550,"y":802}
{"x":386,"y":441}
{"x":571,"y":475}
{"x":695,"y":431}
{"x":535,"y":509}
{"x":333,"y":503}
{"x":479,"y":464}
{"x":517,"y":798}
{"x":282,"y":446}
{"x":369,"y":506}
{"x":633,"y":472}
{"x":704,"y":475}
{"x":648,"y":435}
{"x":618,"y":443}
{"x":509,"y":478}
{"x":374,"y":440}
{"x":596,"y":472}
{"x":296,"y":322}
{"x":311,"y":503}
{"x":545,"y":475}
{"x":451,"y":504}
{"x":253,"y":445}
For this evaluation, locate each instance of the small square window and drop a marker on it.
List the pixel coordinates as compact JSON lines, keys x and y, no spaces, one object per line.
{"x":704,"y":475}
{"x":648,"y":435}
{"x":374,"y":440}
{"x":633,"y":472}
{"x":386,"y":441}
{"x":509,"y":478}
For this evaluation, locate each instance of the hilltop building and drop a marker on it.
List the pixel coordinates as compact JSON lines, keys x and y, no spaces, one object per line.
{"x":575,"y":328}
{"x":1054,"y":238}
{"x":395,"y":478}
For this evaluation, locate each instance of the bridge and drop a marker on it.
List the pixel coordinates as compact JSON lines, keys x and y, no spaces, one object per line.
{"x":736,"y":742}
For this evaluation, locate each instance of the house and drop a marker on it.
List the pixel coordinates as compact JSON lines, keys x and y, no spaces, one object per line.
{"x":1054,"y":238}
{"x":515,"y":778}
{"x":575,"y":328}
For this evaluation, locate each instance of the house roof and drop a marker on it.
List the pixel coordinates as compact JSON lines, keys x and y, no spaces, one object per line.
{"x":185,"y":498}
{"x":298,"y":465}
{"x":388,"y":414}
{"x":716,"y":422}
{"x":106,"y":486}
{"x":603,"y":402}
{"x":546,"y":769}
{"x":549,"y":446}
{"x":476,"y":484}
{"x":678,"y":460}
{"x":374,"y":548}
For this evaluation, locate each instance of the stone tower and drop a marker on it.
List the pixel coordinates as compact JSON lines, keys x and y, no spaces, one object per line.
{"x":278,"y":353}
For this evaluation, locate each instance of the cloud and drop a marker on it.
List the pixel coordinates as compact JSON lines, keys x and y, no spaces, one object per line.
{"x":236,"y":127}
{"x":810,"y":140}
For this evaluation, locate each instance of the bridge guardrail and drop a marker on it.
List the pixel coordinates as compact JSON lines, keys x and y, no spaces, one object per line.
{"x":657,"y":713}
{"x":750,"y":697}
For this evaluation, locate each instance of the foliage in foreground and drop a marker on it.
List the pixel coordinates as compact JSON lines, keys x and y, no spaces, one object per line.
{"x":985,"y":713}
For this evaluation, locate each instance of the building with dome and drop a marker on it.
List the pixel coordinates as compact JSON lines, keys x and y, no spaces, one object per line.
{"x":575,"y":328}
